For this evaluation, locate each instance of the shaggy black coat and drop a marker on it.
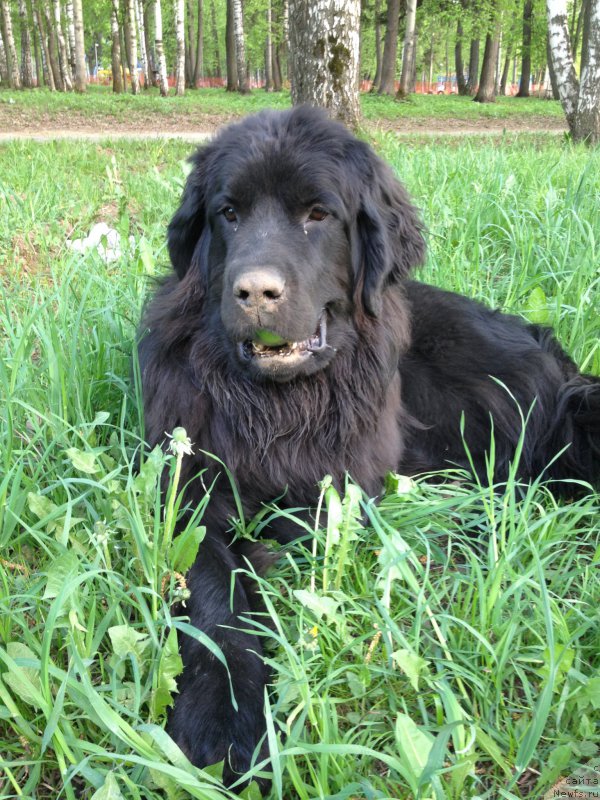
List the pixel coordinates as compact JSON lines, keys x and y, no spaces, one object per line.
{"x":290,"y":225}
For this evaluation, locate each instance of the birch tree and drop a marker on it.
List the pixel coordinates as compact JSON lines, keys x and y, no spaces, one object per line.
{"x":52,"y":50}
{"x":80,"y":71}
{"x":26,"y":58}
{"x":240,"y":47}
{"x":163,"y":83}
{"x":12,"y":62}
{"x":4,"y":76}
{"x":46,"y":65}
{"x":70,"y":34}
{"x":324,"y":51}
{"x":180,"y":54}
{"x":139,"y":13}
{"x":132,"y":46}
{"x":63,"y":58}
{"x":579,"y":97}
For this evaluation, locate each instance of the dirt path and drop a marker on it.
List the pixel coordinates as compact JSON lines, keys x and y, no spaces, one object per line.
{"x":22,"y":124}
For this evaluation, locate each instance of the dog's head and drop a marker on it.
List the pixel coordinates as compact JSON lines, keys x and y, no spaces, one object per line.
{"x":293,"y":228}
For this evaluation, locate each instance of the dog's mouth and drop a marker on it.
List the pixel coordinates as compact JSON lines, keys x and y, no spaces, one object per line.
{"x":269,"y":346}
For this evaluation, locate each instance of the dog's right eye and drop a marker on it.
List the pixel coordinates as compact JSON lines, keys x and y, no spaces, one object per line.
{"x":318,"y":214}
{"x":229,"y":213}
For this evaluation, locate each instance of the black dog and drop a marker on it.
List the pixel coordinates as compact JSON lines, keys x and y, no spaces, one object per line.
{"x":291,"y":343}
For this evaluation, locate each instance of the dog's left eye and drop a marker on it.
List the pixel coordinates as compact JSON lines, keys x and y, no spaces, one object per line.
{"x":318,"y":214}
{"x":229,"y":213}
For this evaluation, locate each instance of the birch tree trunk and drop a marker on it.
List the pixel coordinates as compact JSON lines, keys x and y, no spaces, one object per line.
{"x":70,"y":34}
{"x":587,"y":117}
{"x":52,"y":55}
{"x":132,"y":45}
{"x":26,"y":59}
{"x":163,"y":83}
{"x":4,"y":75}
{"x":240,"y":47}
{"x":46,"y":64}
{"x":38,"y":58}
{"x":12,"y":62}
{"x":115,"y":50}
{"x":390,"y":49}
{"x":80,"y":71}
{"x":324,"y":51}
{"x":409,"y":50}
{"x":139,"y":13}
{"x":180,"y":54}
{"x":63,"y":58}
{"x":580,"y":99}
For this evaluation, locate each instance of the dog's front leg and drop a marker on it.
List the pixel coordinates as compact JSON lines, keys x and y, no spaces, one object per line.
{"x":204,"y":721}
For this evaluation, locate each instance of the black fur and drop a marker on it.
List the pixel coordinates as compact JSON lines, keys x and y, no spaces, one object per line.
{"x":403,"y":362}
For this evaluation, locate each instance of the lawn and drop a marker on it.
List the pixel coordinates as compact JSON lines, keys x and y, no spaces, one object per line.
{"x":204,"y":108}
{"x":448,"y":649}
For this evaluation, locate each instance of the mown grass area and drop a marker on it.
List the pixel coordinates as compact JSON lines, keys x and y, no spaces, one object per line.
{"x":100,"y":103}
{"x":447,"y":648}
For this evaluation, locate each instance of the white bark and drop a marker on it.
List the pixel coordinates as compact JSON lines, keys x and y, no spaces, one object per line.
{"x":324,"y":51}
{"x":131,"y":26}
{"x":587,"y":122}
{"x":3,"y":62}
{"x":10,"y":50}
{"x":26,"y":59}
{"x":143,"y":54}
{"x":71,"y":35}
{"x":43,"y":43}
{"x":580,"y":99}
{"x":240,"y":46}
{"x":63,"y":59}
{"x":180,"y":54}
{"x":562,"y":57}
{"x":160,"y":52}
{"x":80,"y":71}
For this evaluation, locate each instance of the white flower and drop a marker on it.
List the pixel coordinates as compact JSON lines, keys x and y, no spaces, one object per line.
{"x":180,"y":444}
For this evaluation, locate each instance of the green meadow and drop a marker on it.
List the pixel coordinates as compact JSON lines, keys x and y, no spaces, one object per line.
{"x":447,"y":647}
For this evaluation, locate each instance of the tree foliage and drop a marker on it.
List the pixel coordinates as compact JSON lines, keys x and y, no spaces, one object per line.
{"x":496,"y":46}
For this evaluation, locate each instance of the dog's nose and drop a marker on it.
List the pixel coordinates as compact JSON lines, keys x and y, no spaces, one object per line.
{"x":259,"y":287}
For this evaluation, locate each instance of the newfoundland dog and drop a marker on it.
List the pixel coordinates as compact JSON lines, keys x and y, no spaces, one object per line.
{"x":291,"y":343}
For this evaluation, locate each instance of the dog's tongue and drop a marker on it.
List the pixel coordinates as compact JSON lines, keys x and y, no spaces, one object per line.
{"x":268,"y":338}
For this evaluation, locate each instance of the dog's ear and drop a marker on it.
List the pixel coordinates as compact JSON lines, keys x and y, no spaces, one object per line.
{"x":390,"y":234}
{"x":189,"y":221}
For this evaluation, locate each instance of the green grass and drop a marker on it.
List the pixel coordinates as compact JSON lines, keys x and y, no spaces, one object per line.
{"x":100,"y":104}
{"x":446,"y":648}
